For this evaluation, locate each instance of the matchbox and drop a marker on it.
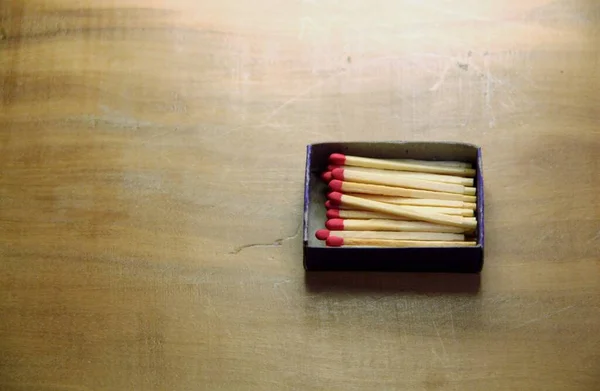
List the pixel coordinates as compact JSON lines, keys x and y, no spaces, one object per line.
{"x":321,"y":255}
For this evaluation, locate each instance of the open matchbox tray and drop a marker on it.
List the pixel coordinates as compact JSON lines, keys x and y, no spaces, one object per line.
{"x":318,"y":257}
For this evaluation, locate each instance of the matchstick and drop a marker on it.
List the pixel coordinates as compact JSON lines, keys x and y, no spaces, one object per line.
{"x":436,"y":163}
{"x":329,"y":204}
{"x":348,"y":174}
{"x":417,"y":201}
{"x":363,"y":188}
{"x":389,"y":225}
{"x":399,"y":203}
{"x":340,"y":159}
{"x":402,"y":211}
{"x":332,"y":205}
{"x":360,"y":215}
{"x":327,"y":176}
{"x":366,"y":215}
{"x":442,"y":210}
{"x":336,"y":241}
{"x":445,"y":211}
{"x":323,"y":234}
{"x":417,"y":175}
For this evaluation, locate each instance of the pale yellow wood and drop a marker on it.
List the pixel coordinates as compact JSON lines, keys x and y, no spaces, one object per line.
{"x":385,"y":164}
{"x":426,"y":177}
{"x":413,"y":183}
{"x":361,"y":242}
{"x":151,"y":185}
{"x":418,"y":175}
{"x":388,"y":235}
{"x":435,"y":163}
{"x":418,"y":201}
{"x":344,"y":207}
{"x":395,"y":225}
{"x":362,"y":215}
{"x":364,"y":188}
{"x":408,"y":212}
{"x":445,"y":211}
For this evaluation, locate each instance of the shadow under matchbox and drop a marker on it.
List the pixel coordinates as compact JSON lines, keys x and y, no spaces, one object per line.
{"x":394,"y":206}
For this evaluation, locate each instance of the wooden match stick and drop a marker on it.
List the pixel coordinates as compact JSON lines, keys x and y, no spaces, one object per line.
{"x":332,"y":205}
{"x":442,"y":210}
{"x":360,"y":215}
{"x":437,"y":163}
{"x":323,"y":234}
{"x":417,"y":201}
{"x":445,"y":211}
{"x":348,"y":174}
{"x":366,"y":215}
{"x":389,"y":225}
{"x":340,"y":159}
{"x":363,"y":188}
{"x":459,"y":180}
{"x":399,"y":210}
{"x":336,"y":241}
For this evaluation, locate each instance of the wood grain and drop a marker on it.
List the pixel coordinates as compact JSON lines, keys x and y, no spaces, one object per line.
{"x":151,"y":159}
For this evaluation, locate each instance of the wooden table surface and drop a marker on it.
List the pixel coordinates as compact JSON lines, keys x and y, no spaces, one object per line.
{"x":151,"y":172}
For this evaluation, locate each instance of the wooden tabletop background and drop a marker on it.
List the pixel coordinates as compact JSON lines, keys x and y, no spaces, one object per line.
{"x":151,"y":172}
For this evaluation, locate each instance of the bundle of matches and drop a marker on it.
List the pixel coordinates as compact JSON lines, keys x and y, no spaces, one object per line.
{"x":399,"y":203}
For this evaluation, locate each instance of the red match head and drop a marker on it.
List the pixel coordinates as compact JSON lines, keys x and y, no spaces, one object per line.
{"x":336,"y":185}
{"x":335,"y":224}
{"x":332,"y":167}
{"x":326,"y":176}
{"x":338,"y":173}
{"x":337,"y":158}
{"x":335,"y":197}
{"x":331,"y":205}
{"x":322,"y":234}
{"x":333,"y":214}
{"x":335,"y":241}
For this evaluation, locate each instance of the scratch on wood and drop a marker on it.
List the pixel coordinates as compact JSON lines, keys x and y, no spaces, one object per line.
{"x":161,"y":134}
{"x":339,"y":116}
{"x":304,"y":22}
{"x":594,"y":238}
{"x":442,"y":77}
{"x":543,"y":317}
{"x":237,"y":250}
{"x":452,"y":324}
{"x":276,"y":243}
{"x":300,"y":95}
{"x":309,"y":89}
{"x":283,"y":292}
{"x":437,"y":331}
{"x":288,"y":102}
{"x":489,"y":90}
{"x":276,"y":284}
